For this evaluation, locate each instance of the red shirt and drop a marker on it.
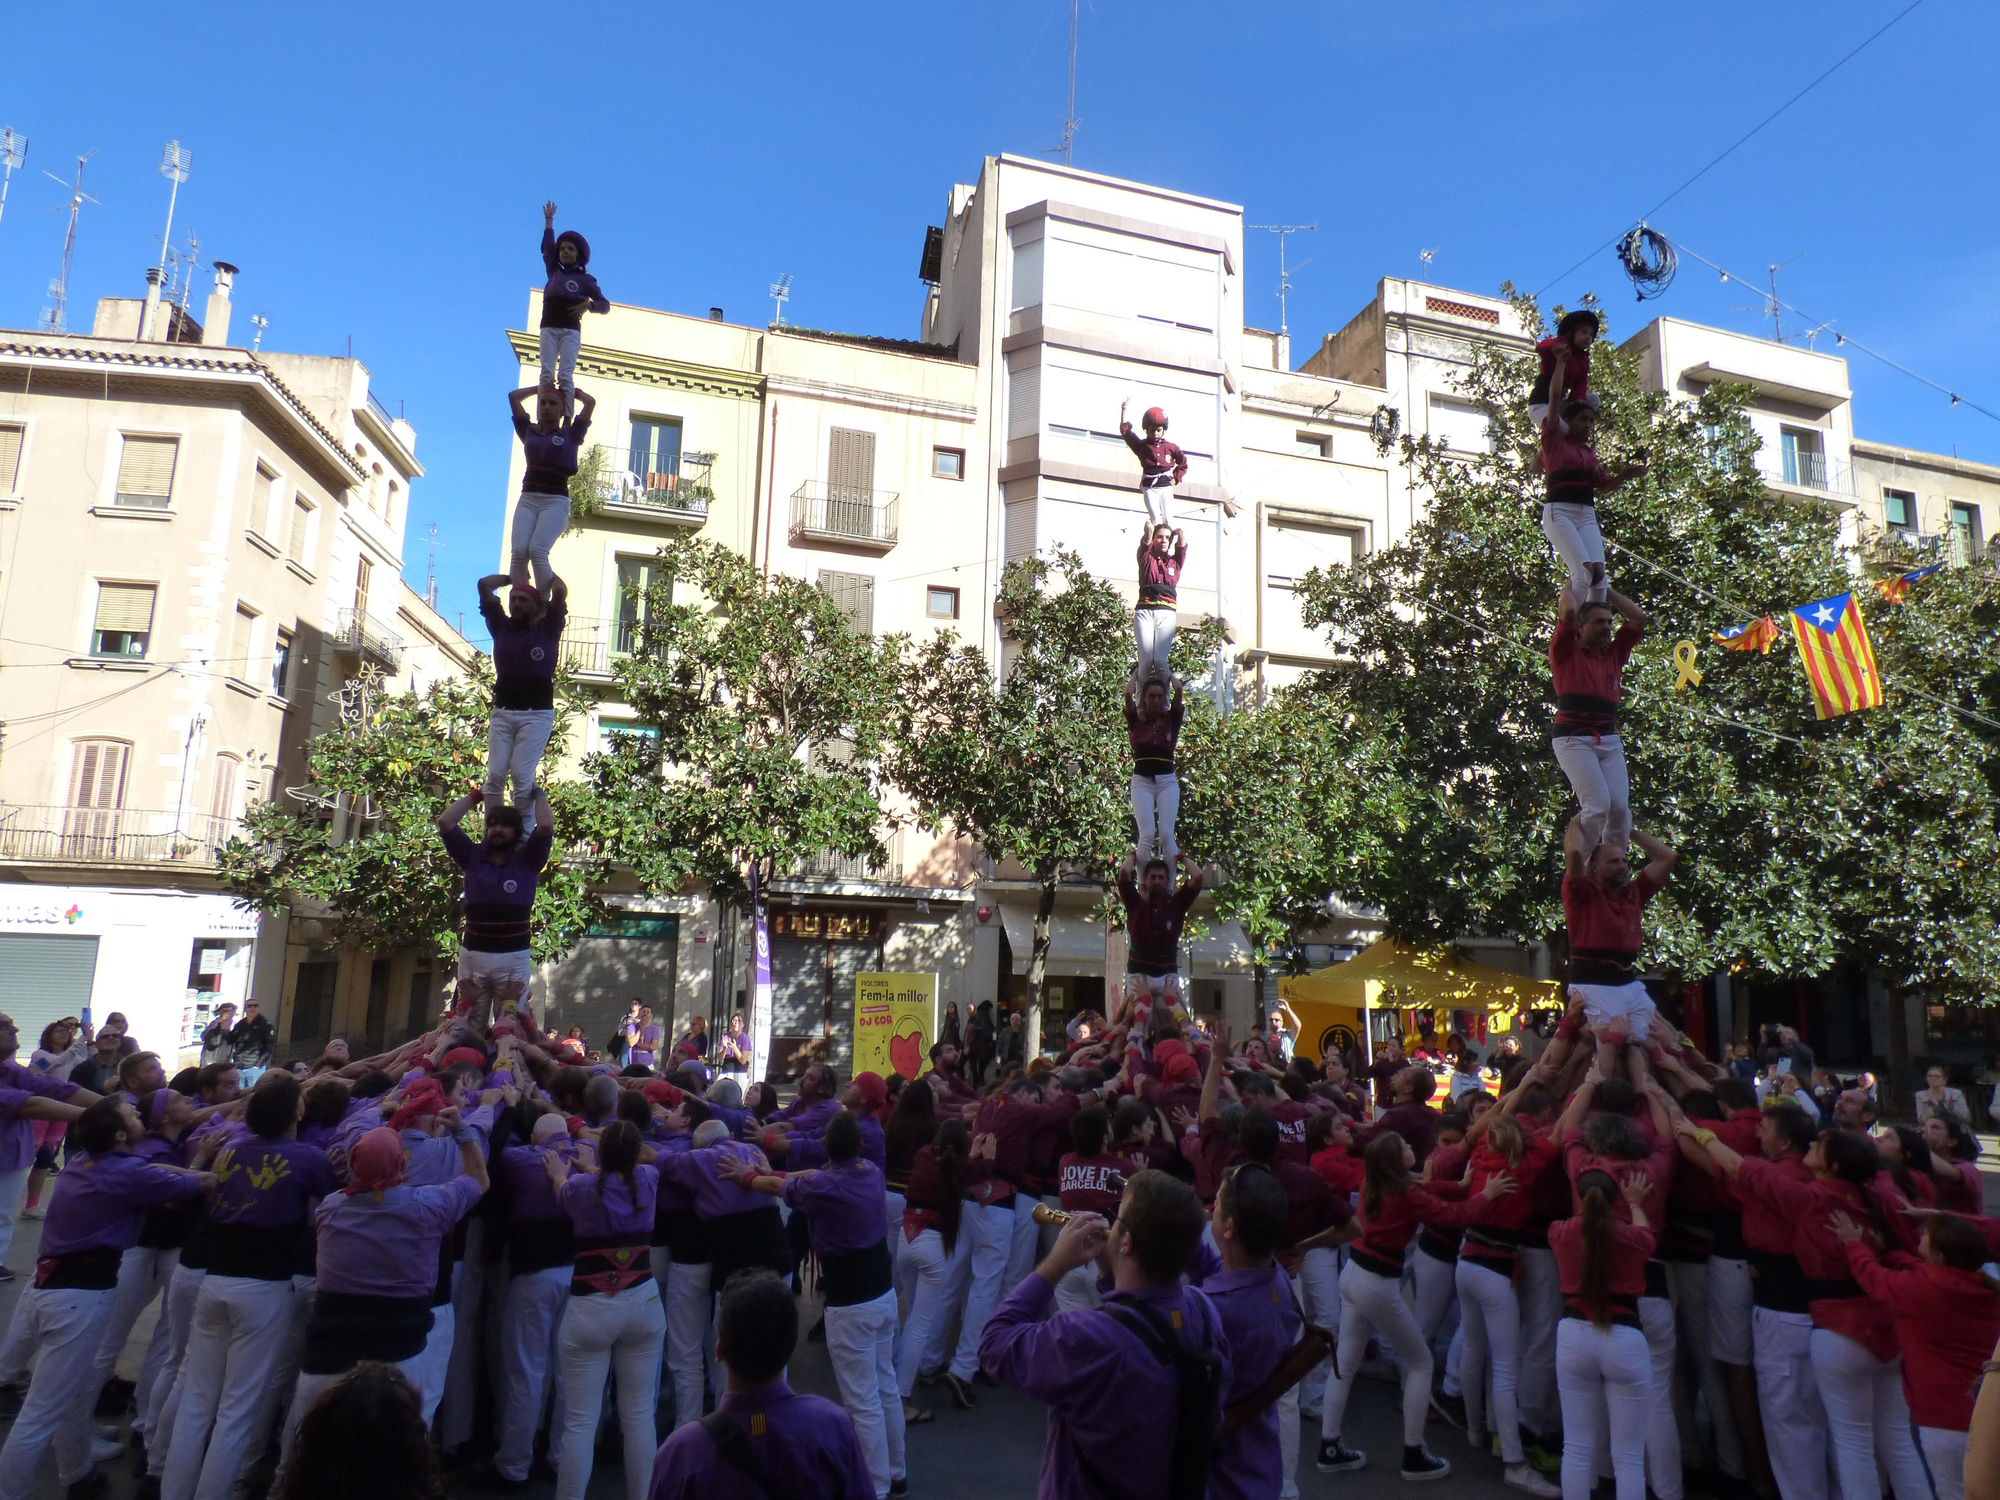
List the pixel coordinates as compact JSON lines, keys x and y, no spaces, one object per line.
{"x":1632,"y":1247}
{"x":1153,"y":740}
{"x":1512,"y":1210}
{"x":1387,"y":1235}
{"x":1158,"y":459}
{"x":1966,"y":1195}
{"x":1766,"y":1228}
{"x":1085,"y":1183}
{"x":1153,"y":928}
{"x":1159,"y":577}
{"x":1657,"y":1164}
{"x":1415,"y":1123}
{"x":1213,"y":1153}
{"x":1575,"y":473}
{"x":1291,"y":1116}
{"x":1343,"y":1173}
{"x":1606,"y":928}
{"x":1821,"y":1255}
{"x":1013,"y":1123}
{"x":1946,"y":1323}
{"x":1576,"y":374}
{"x":1314,"y":1205}
{"x":1589,"y":686}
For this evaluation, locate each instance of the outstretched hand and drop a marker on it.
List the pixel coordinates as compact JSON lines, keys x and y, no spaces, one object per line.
{"x":549,"y":210}
{"x":1499,"y":1185}
{"x":1843,"y":1228}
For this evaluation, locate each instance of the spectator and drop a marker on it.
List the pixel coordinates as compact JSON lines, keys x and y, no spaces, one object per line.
{"x":1785,"y":1053}
{"x":949,"y":1032}
{"x":250,"y":1043}
{"x":364,"y":1435}
{"x":1937,"y":1098}
{"x":215,"y":1036}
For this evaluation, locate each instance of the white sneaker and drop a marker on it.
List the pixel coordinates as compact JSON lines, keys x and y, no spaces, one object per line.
{"x":107,"y":1432}
{"x":103,"y":1450}
{"x":38,"y":1210}
{"x":1522,"y":1476}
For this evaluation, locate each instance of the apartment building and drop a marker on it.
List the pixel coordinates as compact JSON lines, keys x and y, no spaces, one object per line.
{"x":198,"y":546}
{"x":1936,"y":505}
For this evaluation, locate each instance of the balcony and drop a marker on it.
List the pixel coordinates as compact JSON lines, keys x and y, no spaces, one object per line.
{"x":1811,"y":474}
{"x":639,"y":486}
{"x":846,"y":515}
{"x":361,"y":634}
{"x":828,"y":865}
{"x":109,"y":836}
{"x":593,"y":648}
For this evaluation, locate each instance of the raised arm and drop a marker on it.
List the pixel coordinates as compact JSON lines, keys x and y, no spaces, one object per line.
{"x":1627,"y":610}
{"x":1211,"y":1083}
{"x":1660,"y":858}
{"x":1552,"y":422}
{"x":1575,"y":854}
{"x":519,"y":401}
{"x":549,"y":262}
{"x":586,"y":404}
{"x":491,"y":584}
{"x":544,"y":817}
{"x":1192,"y":885}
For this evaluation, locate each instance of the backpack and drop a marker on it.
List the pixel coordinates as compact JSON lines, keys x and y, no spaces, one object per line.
{"x":1198,"y":1410}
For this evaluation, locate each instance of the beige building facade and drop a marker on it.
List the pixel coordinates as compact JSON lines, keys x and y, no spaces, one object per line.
{"x":198,"y":547}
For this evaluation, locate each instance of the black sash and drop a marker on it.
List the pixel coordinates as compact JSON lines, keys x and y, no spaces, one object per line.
{"x":80,"y":1270}
{"x":345,"y":1329}
{"x":1777,"y":1284}
{"x":1381,"y":1265}
{"x":859,"y":1277}
{"x":1602,"y":966}
{"x":1571,"y":487}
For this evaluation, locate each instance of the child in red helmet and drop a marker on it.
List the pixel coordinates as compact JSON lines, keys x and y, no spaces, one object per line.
{"x":1575,"y":333}
{"x":571,"y":291}
{"x":1161,"y":464}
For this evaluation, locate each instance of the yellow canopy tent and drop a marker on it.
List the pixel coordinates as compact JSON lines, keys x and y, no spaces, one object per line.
{"x":1333,"y":1004}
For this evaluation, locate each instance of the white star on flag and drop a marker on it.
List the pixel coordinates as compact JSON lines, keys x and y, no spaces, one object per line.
{"x":1822,"y":617}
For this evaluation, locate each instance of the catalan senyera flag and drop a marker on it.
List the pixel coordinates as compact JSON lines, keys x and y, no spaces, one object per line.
{"x":1758,"y":635}
{"x":1893,"y":589}
{"x":1839,"y":661}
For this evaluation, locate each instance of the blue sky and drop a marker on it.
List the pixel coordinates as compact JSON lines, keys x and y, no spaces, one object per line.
{"x":377,"y":171}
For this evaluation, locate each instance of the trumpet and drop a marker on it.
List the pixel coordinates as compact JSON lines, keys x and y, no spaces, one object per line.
{"x":1055,"y":1218}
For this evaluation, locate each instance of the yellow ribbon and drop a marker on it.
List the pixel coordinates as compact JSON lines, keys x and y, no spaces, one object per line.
{"x":1687,"y":674}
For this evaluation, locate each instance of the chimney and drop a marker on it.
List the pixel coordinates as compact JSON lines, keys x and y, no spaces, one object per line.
{"x":153,"y":278}
{"x":715,"y":315}
{"x":215,"y":321}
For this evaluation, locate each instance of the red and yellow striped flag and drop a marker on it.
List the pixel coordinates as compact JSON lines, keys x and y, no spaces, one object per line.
{"x":1839,"y":661}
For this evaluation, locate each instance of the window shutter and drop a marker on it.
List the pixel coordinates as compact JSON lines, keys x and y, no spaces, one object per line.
{"x":301,"y":524}
{"x":1020,"y":528}
{"x":146,"y":468}
{"x":98,"y":780}
{"x":364,"y":573}
{"x":10,"y":457}
{"x":854,"y":595}
{"x":125,"y":606}
{"x":260,"y":498}
{"x":850,"y":467}
{"x":227,"y":771}
{"x":240,"y":643}
{"x":1024,"y":402}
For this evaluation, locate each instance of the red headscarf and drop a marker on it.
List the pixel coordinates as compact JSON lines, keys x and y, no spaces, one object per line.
{"x":375,"y":1161}
{"x":1168,"y":1047}
{"x":661,"y":1092}
{"x":874,"y":1093}
{"x":1180,"y":1069}
{"x":470,"y":1055}
{"x":424,"y":1099}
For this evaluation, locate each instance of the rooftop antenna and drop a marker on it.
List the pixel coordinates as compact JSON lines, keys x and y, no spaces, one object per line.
{"x":13,"y":154}
{"x":52,"y":317}
{"x":187,"y":281}
{"x":431,"y":578}
{"x":1284,"y":276}
{"x":1425,"y":257}
{"x":1069,"y":108}
{"x":261,"y":322}
{"x":1773,"y":306}
{"x":781,"y":291}
{"x":175,"y":160}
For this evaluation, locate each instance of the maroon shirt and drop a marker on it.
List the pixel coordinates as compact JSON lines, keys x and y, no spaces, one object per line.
{"x":1153,"y":740}
{"x":1153,"y":929}
{"x":1160,"y":462}
{"x":1589,"y":688}
{"x":1013,"y":1122}
{"x":1606,"y":928}
{"x":1159,"y":577}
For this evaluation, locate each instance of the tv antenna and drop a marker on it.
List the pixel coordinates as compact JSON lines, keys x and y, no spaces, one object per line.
{"x":1284,"y":274}
{"x":13,"y":154}
{"x":1070,"y":121}
{"x":261,"y":323}
{"x":781,"y":291}
{"x":431,"y":577}
{"x":175,"y":162}
{"x":53,"y":316}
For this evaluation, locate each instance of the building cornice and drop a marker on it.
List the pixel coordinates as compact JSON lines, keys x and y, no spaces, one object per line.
{"x":856,"y":395}
{"x":1918,"y":458}
{"x":648,"y":369}
{"x":244,"y":370}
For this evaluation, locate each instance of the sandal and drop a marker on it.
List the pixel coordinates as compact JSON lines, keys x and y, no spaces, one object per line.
{"x":916,"y":1416}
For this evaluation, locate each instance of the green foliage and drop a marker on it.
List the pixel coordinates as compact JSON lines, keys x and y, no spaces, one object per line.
{"x":386,"y":769}
{"x":768,"y":714}
{"x":1869,"y":838}
{"x":589,"y":486}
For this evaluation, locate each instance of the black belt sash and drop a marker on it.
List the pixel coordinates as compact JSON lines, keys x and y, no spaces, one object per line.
{"x":346,"y":1328}
{"x":737,"y":1242}
{"x":1571,"y":487}
{"x":1656,"y":1279}
{"x":80,"y":1270}
{"x":258,"y":1252}
{"x":538,"y":1244}
{"x":1152,"y":765}
{"x":1375,"y":1261}
{"x":1436,"y":1245}
{"x":1776,"y":1282}
{"x":1624,"y":1310}
{"x":1495,"y":1249}
{"x":1586,"y":713}
{"x":681,"y":1233}
{"x":517,"y":691}
{"x":1728,"y":1241}
{"x":1605,"y":966}
{"x":607,"y":1264}
{"x":861,"y":1276}
{"x":1835,"y":1289}
{"x":496,"y":927}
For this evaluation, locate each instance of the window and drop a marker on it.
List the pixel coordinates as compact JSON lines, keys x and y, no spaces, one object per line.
{"x":261,"y":488}
{"x":364,"y":574}
{"x":281,"y":662}
{"x":946,"y":463}
{"x":312,"y":999}
{"x":1313,"y":444}
{"x":850,"y":468}
{"x":1804,"y":458}
{"x":637,"y":578}
{"x":222,"y":798}
{"x":655,"y":450}
{"x":1899,"y":510}
{"x":419,"y":1019}
{"x":243,"y":645}
{"x":96,"y":795}
{"x":124,"y":620}
{"x":1293,"y":547}
{"x":941,"y":603}
{"x":146,"y":471}
{"x":12,"y":436}
{"x":1965,"y":537}
{"x":854,"y":594}
{"x":298,"y":546}
{"x":1460,"y":425}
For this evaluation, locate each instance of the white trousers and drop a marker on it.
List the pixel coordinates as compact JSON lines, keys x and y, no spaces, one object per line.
{"x":1572,"y":531}
{"x":434,"y":1364}
{"x":690,"y":1312}
{"x":621,"y":1336}
{"x":538,"y":521}
{"x":1153,"y":628}
{"x":893,"y":1204}
{"x":935,"y":1275}
{"x":239,"y":1325}
{"x":536,"y":1302}
{"x":65,"y":1326}
{"x":1077,"y":1291}
{"x":13,"y":1188}
{"x":1372,"y":1303}
{"x":1663,"y":1434}
{"x":559,"y":349}
{"x":515,"y":740}
{"x":1024,"y":1241}
{"x":278,"y":1391}
{"x":1159,"y":502}
{"x":1155,"y":802}
{"x":141,"y":1274}
{"x":154,"y":1368}
{"x":1490,"y":1314}
{"x":306,"y":1392}
{"x":177,"y":1314}
{"x":989,"y":1231}
{"x":1317,"y":1287}
{"x":1944,"y":1456}
{"x":487,"y":976}
{"x":1690,"y":1283}
{"x":1795,"y":1427}
{"x":861,"y":1342}
{"x":1867,"y":1418}
{"x":1629,"y":1004}
{"x":1595,"y":766}
{"x":1431,"y":1281}
{"x":1539,"y":1291}
{"x":1606,"y":1380}
{"x":1731,"y":1298}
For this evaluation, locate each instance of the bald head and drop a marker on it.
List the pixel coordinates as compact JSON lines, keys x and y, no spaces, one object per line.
{"x":600,"y":1099}
{"x":709,"y":1133}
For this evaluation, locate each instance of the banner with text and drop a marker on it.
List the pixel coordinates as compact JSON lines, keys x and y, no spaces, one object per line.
{"x":895,"y":1022}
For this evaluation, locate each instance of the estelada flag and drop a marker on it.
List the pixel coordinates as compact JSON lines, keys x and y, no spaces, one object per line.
{"x":1839,"y":661}
{"x":1893,"y":589}
{"x":1756,"y":636}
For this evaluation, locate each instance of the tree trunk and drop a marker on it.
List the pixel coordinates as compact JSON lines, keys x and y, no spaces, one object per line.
{"x":1902,"y":1081}
{"x":1038,"y":963}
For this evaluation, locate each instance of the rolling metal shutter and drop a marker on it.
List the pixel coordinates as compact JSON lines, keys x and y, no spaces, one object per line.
{"x":44,"y":977}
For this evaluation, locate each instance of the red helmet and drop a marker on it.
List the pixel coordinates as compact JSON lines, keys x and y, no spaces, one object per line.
{"x":1154,"y":418}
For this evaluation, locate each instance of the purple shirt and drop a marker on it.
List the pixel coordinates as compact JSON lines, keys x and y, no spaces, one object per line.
{"x":800,"y":1443}
{"x":618,"y":1209}
{"x":498,"y":894}
{"x":715,"y":1196}
{"x":262,"y":1184}
{"x":386,"y":1244}
{"x":524,"y":656}
{"x":530,"y":1194}
{"x":805,"y":1151}
{"x":844,"y":1207}
{"x":429,"y":1160}
{"x":807,"y":1117}
{"x":552,"y":455}
{"x":17,"y":1137}
{"x":100,"y":1202}
{"x":1261,"y":1320}
{"x":1094,"y":1374}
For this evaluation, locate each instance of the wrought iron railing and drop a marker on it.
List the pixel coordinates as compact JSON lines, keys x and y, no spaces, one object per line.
{"x":110,"y":835}
{"x":361,"y":633}
{"x":679,"y":487}
{"x":845,"y":513}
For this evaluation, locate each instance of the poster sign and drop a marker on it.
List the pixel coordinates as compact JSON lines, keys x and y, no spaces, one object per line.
{"x":760,"y":978}
{"x":895,"y":1022}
